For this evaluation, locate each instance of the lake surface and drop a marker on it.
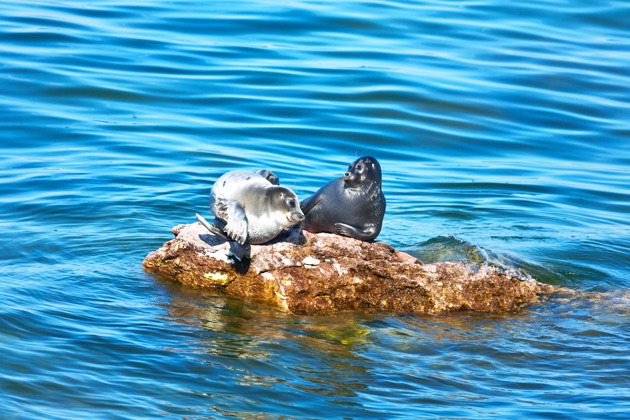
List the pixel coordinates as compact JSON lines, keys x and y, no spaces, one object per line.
{"x":503,"y":131}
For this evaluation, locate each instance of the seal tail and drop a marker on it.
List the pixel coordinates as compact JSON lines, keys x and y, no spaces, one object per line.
{"x":212,"y":229}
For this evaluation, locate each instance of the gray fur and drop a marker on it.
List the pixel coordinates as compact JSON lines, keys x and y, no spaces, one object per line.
{"x":249,"y":207}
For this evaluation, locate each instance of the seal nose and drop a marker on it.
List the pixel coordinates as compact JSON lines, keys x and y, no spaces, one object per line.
{"x":297,"y":216}
{"x":351,"y":179}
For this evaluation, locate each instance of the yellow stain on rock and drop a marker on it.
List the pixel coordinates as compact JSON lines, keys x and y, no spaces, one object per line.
{"x":216,"y":276}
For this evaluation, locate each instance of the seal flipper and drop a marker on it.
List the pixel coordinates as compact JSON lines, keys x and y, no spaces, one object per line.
{"x":367,"y":234}
{"x":270,"y":176}
{"x":212,"y":229}
{"x":307,"y":204}
{"x":236,"y":220}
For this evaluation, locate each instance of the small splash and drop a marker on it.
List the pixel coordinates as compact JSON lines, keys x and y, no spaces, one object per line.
{"x":449,"y":248}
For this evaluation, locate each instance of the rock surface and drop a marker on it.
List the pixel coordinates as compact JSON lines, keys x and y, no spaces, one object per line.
{"x":307,"y":273}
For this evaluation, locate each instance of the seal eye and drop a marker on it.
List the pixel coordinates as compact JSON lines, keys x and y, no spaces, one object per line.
{"x":291,"y":202}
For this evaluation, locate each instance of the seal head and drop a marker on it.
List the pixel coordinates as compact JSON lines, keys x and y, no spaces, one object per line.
{"x":352,"y":205}
{"x":252,"y":207}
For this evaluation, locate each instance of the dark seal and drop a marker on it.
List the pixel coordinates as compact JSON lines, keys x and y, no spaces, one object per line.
{"x":353,"y":205}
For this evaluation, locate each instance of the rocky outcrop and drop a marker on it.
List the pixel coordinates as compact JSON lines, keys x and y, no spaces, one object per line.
{"x":307,"y":273}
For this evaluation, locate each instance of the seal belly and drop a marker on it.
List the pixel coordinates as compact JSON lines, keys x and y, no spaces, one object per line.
{"x":264,"y":227}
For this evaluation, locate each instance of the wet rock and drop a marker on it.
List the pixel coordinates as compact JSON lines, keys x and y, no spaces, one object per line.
{"x":307,"y":273}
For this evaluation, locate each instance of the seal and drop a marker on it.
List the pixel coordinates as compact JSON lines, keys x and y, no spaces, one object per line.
{"x":352,"y":205}
{"x":251,"y":207}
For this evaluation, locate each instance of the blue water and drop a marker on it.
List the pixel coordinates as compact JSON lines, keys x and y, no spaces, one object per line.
{"x":503,"y":130}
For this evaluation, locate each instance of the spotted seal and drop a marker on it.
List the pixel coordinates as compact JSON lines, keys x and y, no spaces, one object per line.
{"x":352,"y":205}
{"x":251,"y":207}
